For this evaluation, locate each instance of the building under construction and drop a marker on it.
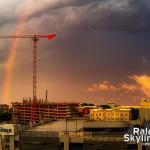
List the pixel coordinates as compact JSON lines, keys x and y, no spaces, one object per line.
{"x":43,"y":110}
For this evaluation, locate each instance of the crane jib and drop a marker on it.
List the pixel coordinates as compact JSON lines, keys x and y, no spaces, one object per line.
{"x":32,"y":36}
{"x":35,"y":38}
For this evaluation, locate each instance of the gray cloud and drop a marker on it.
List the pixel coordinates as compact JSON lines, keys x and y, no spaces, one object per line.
{"x":129,"y":15}
{"x":96,"y":41}
{"x":84,"y":30}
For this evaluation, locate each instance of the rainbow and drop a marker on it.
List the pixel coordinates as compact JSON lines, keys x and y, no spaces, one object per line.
{"x":8,"y":68}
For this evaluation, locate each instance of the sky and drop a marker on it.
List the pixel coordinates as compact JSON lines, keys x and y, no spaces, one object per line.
{"x":101,"y":52}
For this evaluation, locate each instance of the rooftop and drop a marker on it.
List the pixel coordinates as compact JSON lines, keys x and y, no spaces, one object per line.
{"x":59,"y":126}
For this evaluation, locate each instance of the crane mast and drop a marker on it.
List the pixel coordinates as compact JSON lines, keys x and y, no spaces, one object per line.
{"x":35,"y":38}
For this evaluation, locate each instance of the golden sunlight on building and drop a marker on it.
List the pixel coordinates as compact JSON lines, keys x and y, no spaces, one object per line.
{"x":145,"y":103}
{"x":114,"y":105}
{"x":110,"y":114}
{"x":145,"y":110}
{"x":127,"y":107}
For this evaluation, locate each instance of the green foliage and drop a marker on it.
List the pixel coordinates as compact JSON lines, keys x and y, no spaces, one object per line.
{"x":5,"y":116}
{"x":105,"y":106}
{"x":87,"y":104}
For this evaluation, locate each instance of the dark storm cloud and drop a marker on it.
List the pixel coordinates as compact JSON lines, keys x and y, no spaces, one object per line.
{"x":9,"y":12}
{"x":97,"y":40}
{"x":128,"y":15}
{"x":84,"y":30}
{"x":83,"y":22}
{"x":6,"y":20}
{"x":63,"y":4}
{"x":134,"y":17}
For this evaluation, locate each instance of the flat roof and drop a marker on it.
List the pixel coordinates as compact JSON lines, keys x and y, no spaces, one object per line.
{"x":109,"y":124}
{"x":48,"y":102}
{"x":59,"y":126}
{"x":111,"y":109}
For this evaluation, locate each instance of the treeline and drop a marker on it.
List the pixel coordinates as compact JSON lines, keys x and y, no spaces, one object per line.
{"x":5,"y":116}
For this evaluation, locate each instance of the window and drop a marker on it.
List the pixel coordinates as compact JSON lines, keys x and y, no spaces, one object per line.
{"x":121,"y":114}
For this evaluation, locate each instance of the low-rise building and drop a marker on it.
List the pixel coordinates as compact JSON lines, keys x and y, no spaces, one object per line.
{"x":9,"y":137}
{"x":145,"y":103}
{"x":127,"y":107}
{"x":110,"y":114}
{"x":112,"y":104}
{"x":85,"y":110}
{"x":145,"y":110}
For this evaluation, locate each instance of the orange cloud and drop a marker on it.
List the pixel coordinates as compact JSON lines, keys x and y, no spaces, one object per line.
{"x":91,"y":89}
{"x":129,"y":87}
{"x":143,"y":82}
{"x":103,"y":86}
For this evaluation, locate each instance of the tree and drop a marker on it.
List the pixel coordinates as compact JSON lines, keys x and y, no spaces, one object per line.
{"x":134,"y":113}
{"x":5,"y":116}
{"x":105,"y":106}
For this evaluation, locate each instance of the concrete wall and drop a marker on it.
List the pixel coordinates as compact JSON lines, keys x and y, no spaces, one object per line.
{"x":39,"y":141}
{"x":108,"y":146}
{"x":145,"y":115}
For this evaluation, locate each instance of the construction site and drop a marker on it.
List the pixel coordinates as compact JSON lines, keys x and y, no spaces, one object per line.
{"x":44,"y":110}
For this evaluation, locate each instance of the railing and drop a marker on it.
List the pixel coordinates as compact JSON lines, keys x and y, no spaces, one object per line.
{"x":72,"y":134}
{"x":92,"y":134}
{"x":39,"y":134}
{"x":75,"y":136}
{"x":89,"y":136}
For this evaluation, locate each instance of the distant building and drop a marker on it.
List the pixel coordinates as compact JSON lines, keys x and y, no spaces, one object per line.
{"x":23,"y":111}
{"x":110,"y":114}
{"x":145,"y":110}
{"x":145,"y":103}
{"x":127,"y":107}
{"x":112,"y":105}
{"x":85,"y":110}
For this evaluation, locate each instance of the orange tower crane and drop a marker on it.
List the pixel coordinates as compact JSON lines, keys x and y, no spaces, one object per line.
{"x":35,"y":38}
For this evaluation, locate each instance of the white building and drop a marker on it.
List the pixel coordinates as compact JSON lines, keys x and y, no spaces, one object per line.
{"x":9,"y":138}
